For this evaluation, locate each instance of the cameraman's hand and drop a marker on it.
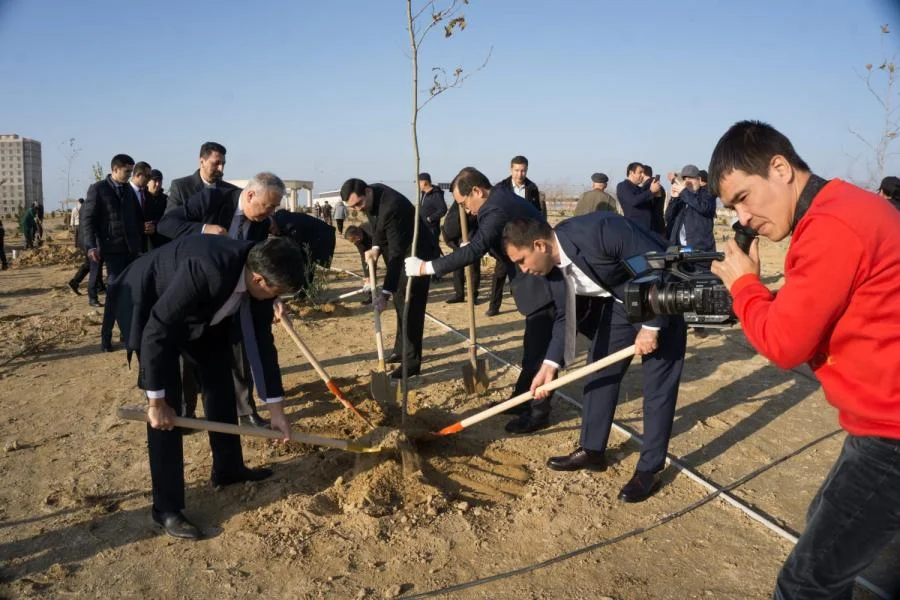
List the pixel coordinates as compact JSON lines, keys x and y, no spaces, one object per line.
{"x":646,"y":342}
{"x":736,"y":264}
{"x":677,"y":187}
{"x":654,"y":186}
{"x":545,"y":375}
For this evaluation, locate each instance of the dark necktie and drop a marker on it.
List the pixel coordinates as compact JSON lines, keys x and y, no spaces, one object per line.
{"x":141,"y":199}
{"x":240,"y":227}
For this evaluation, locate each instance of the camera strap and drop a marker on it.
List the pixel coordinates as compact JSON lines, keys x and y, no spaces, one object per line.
{"x":810,"y":190}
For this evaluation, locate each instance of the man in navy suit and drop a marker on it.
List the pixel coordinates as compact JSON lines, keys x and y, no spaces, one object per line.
{"x":240,"y":214}
{"x":636,"y":194}
{"x":182,"y":299}
{"x":534,"y":295}
{"x":588,"y":252}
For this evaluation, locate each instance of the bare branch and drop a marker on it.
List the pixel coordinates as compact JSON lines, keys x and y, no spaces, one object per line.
{"x":861,"y":138}
{"x":458,"y":78}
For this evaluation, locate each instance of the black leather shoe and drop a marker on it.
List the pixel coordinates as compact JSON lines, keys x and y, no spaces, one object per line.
{"x":455,"y":300}
{"x":245,"y":474}
{"x":411,"y":372}
{"x":176,"y":525}
{"x":580,"y":459}
{"x":94,"y":302}
{"x":394,"y":358}
{"x":526,"y":423}
{"x":491,"y":312}
{"x":641,"y":486}
{"x":74,"y":287}
{"x":106,"y":345}
{"x":252,"y":419}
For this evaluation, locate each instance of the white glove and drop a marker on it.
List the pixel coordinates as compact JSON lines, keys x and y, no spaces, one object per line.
{"x":373,"y":254}
{"x":413,"y":266}
{"x":381,"y":301}
{"x":366,"y":289}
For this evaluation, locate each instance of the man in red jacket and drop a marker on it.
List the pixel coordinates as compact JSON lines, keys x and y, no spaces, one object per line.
{"x":839,"y":311}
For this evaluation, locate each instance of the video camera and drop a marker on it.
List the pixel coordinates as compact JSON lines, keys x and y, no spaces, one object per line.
{"x":669,"y":283}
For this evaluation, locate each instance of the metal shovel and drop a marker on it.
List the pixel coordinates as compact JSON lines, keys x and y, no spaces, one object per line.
{"x":474,"y":372}
{"x":382,"y":390}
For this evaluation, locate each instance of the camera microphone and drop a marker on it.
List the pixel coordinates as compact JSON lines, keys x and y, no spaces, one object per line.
{"x":743,"y":235}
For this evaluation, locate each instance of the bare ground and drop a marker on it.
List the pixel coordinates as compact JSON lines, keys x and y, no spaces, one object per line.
{"x":74,"y":507}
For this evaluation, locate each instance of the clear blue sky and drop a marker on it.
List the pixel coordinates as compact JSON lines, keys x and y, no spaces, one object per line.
{"x":321,"y":90}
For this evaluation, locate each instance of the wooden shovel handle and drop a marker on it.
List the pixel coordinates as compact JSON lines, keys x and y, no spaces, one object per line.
{"x":379,"y":340}
{"x":470,"y":289}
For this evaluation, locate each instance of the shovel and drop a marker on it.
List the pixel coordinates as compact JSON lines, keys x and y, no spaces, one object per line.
{"x":524,"y":397}
{"x":332,"y":387}
{"x":133,"y":413}
{"x":475,"y":377}
{"x":382,"y":390}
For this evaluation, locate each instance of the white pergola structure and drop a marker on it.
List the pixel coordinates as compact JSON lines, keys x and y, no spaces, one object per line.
{"x":292,"y":186}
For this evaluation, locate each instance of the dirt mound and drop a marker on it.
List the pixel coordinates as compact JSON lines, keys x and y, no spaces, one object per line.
{"x":40,"y":333}
{"x":378,"y":487}
{"x":49,"y":254}
{"x":326,"y":310}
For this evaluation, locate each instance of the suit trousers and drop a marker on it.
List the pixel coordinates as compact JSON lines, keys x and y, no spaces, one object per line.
{"x":95,"y":279}
{"x":416,"y":325}
{"x":459,"y":276}
{"x":661,"y":373}
{"x":241,"y":376}
{"x":210,"y":355}
{"x":498,"y":280}
{"x":115,"y":264}
{"x":538,"y":332}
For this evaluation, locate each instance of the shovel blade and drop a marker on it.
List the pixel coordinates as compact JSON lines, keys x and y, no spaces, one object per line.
{"x":382,"y":390}
{"x":475,"y":379}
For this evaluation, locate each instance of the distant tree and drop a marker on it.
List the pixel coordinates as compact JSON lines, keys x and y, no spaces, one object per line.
{"x":97,"y":171}
{"x":881,"y":81}
{"x":70,"y":152}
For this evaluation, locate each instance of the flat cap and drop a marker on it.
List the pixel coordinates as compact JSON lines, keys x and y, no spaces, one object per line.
{"x":690,"y":171}
{"x":599,"y":178}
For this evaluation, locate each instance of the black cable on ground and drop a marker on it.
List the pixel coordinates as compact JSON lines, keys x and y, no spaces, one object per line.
{"x":623,"y":536}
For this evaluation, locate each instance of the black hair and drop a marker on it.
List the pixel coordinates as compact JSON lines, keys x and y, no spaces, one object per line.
{"x":121,"y":160}
{"x":632,"y":167}
{"x":749,"y":146}
{"x":281,"y":262}
{"x":209,"y":147}
{"x":81,"y":201}
{"x":518,"y":160}
{"x":704,"y":176}
{"x":425,"y":177}
{"x":142,"y":168}
{"x":469,"y":178}
{"x":648,"y":170}
{"x":156,"y":174}
{"x":353,"y":231}
{"x":522,"y":233}
{"x":353,"y":186}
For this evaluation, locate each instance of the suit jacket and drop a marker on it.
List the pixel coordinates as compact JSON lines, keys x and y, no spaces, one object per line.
{"x":112,"y":224}
{"x":636,"y":202}
{"x":531,"y":293}
{"x":451,"y":228}
{"x":312,"y":234}
{"x":169,"y":296}
{"x":184,"y":187}
{"x":598,"y":243}
{"x":434,"y":207}
{"x":532,"y":194}
{"x":214,"y":206}
{"x":696,"y":211}
{"x":392,"y":216}
{"x":154,"y":209}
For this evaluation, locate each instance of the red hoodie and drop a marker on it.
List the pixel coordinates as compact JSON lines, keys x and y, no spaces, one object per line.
{"x":839,"y":308}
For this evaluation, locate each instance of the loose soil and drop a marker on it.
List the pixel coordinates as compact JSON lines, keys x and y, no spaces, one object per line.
{"x":75,"y":516}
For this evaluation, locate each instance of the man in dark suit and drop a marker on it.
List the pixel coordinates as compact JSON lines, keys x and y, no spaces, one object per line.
{"x":155,"y":201}
{"x":186,"y":298}
{"x":241,"y":215}
{"x":392,"y":217}
{"x":636,"y":194}
{"x":519,"y":184}
{"x":453,"y":237}
{"x":433,"y":206}
{"x":112,"y":228}
{"x":313,"y":235}
{"x":589,"y":252}
{"x":657,"y":204}
{"x":534,"y":295}
{"x":691,"y":213}
{"x":209,"y":175}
